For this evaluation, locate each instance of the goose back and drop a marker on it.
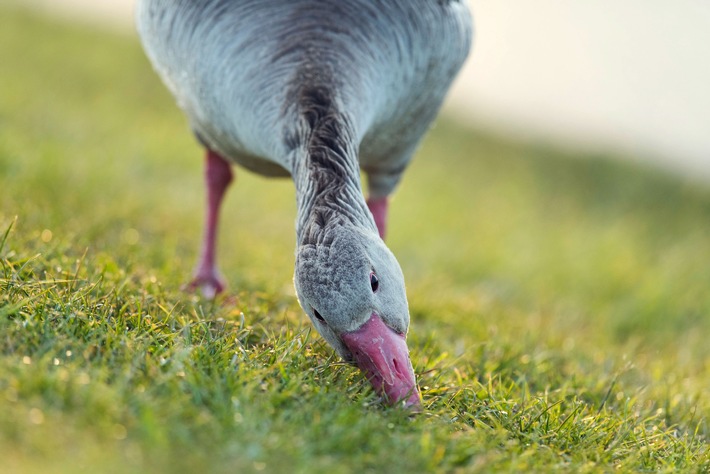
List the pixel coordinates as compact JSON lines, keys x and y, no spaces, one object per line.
{"x":239,"y":68}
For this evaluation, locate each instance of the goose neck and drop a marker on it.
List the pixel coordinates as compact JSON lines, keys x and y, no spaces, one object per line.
{"x":327,"y":179}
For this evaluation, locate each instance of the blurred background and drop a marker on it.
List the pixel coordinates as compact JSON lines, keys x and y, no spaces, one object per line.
{"x":628,"y":77}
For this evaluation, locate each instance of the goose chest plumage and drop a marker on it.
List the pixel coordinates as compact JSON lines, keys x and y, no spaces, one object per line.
{"x":317,"y":90}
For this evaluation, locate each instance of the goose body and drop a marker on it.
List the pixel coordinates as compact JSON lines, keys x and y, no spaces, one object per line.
{"x":317,"y":90}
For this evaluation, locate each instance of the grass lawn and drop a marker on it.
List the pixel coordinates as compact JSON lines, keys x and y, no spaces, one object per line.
{"x":560,"y":302}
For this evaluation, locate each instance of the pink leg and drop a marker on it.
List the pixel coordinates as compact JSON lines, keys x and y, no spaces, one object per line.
{"x":378,"y":208}
{"x":218,"y":175}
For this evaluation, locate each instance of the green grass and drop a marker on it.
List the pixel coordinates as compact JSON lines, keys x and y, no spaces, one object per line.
{"x":560,"y":302}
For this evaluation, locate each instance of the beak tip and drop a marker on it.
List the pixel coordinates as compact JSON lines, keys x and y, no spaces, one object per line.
{"x":412,"y":402}
{"x":383,"y":355}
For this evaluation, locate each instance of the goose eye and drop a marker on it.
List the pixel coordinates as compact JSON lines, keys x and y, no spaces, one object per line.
{"x":374,"y":282}
{"x":317,"y":315}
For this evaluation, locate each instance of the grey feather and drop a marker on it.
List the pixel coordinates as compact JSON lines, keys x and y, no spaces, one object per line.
{"x":316,"y":89}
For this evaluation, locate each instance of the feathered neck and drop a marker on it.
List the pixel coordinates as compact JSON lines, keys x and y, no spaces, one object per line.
{"x":326,"y":170}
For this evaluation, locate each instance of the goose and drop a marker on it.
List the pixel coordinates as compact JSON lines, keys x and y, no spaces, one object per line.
{"x":317,"y":90}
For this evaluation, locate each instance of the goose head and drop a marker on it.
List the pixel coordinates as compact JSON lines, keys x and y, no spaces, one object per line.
{"x":352,"y":288}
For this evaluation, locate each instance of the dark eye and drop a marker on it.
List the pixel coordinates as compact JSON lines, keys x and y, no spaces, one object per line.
{"x":374,"y":282}
{"x":317,"y":315}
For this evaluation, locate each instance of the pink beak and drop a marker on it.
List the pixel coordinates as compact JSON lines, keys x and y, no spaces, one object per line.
{"x":383,"y":355}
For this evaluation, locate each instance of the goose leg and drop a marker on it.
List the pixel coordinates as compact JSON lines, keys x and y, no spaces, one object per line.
{"x":218,"y":176}
{"x":378,"y":208}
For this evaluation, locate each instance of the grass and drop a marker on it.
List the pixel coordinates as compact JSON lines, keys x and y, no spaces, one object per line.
{"x":560,"y":304}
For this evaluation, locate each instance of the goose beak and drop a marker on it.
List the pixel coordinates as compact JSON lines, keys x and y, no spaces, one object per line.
{"x":383,"y":355}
